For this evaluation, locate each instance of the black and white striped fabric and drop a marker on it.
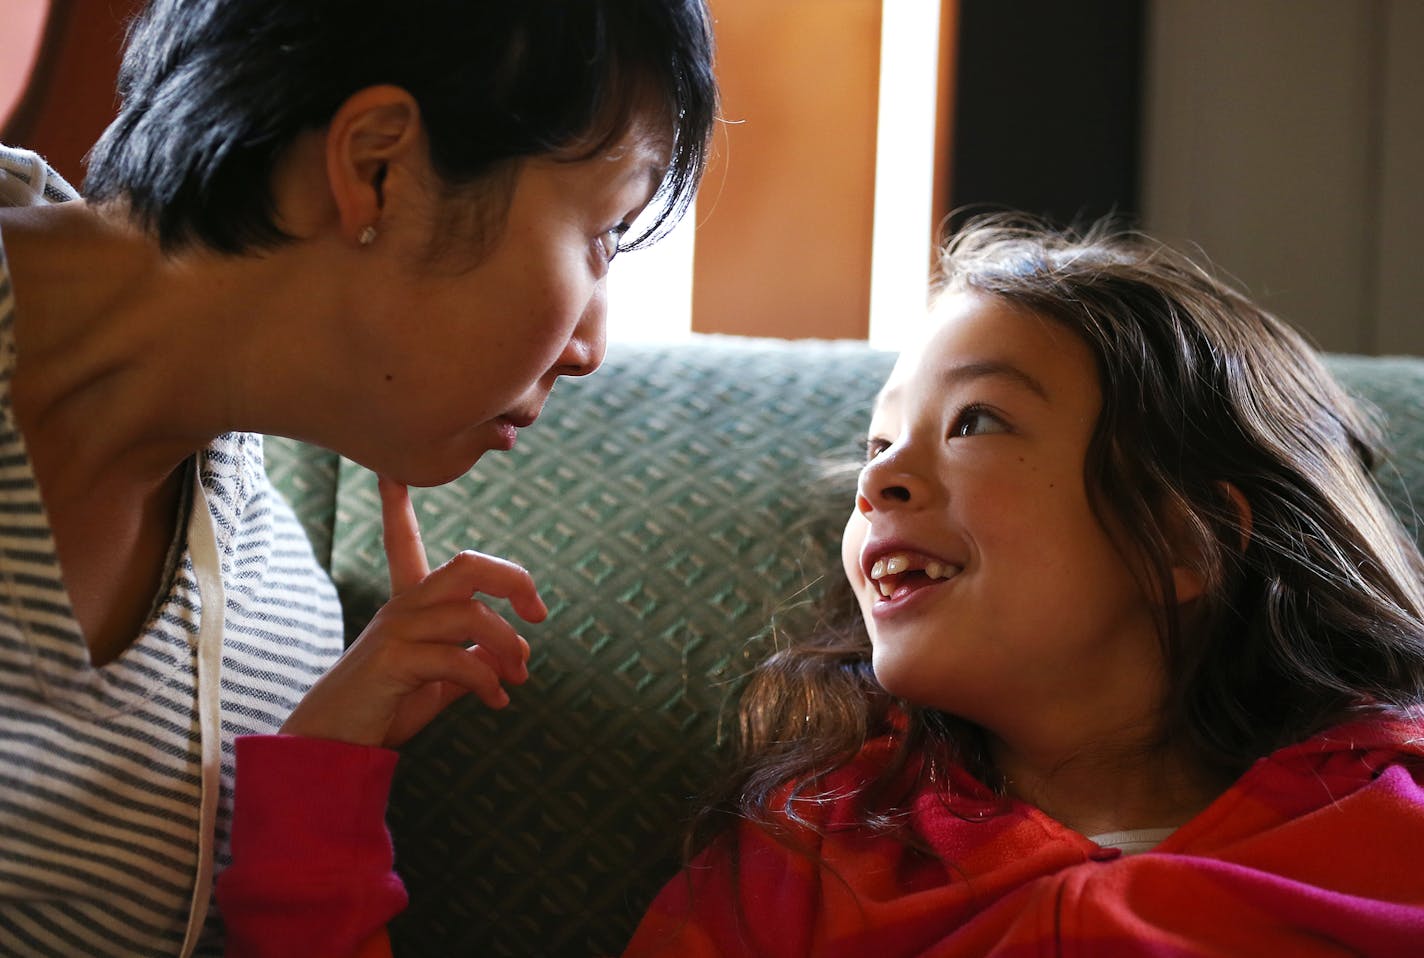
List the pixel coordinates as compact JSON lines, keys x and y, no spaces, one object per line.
{"x":27,"y":180}
{"x":100,"y":767}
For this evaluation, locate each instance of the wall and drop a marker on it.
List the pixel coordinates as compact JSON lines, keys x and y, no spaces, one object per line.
{"x":784,"y":216}
{"x":20,"y":43}
{"x":1049,"y":108}
{"x":1286,"y":138}
{"x":70,"y":95}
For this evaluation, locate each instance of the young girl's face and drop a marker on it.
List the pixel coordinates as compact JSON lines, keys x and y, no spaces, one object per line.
{"x":989,"y":587}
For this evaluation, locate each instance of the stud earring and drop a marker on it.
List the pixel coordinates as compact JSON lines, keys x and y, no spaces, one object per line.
{"x":367,"y":236}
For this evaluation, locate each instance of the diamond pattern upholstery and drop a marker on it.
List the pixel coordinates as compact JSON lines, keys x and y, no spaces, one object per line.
{"x":306,"y":476}
{"x":670,"y":508}
{"x":1394,"y":386}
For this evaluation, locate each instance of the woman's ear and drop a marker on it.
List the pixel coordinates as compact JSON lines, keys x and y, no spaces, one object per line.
{"x":376,"y":128}
{"x":1187,"y":577}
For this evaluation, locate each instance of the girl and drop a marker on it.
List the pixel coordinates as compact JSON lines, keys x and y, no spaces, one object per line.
{"x":382,"y":227}
{"x":1139,"y":655}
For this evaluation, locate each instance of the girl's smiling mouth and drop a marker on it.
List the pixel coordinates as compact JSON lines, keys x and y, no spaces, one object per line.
{"x":897,"y":574}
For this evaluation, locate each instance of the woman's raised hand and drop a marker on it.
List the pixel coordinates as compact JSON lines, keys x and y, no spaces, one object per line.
{"x":430,"y":644}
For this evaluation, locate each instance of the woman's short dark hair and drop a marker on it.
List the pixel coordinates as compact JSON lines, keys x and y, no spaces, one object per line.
{"x":213,"y":92}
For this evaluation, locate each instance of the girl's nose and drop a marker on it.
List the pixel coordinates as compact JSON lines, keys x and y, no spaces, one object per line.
{"x":886,"y":484}
{"x":870,"y":499}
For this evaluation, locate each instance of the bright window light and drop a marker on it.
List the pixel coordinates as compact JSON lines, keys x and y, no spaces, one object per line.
{"x":650,"y":290}
{"x":904,"y":168}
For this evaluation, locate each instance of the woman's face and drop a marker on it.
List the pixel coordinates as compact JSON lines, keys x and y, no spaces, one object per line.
{"x":989,"y":587}
{"x":446,"y":360}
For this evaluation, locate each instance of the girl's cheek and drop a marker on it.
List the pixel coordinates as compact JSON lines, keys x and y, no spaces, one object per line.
{"x":851,"y":541}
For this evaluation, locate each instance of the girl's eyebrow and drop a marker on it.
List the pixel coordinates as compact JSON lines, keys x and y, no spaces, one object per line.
{"x":961,"y":373}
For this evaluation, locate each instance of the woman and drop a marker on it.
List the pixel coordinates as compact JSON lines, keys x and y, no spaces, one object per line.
{"x":383,"y":228}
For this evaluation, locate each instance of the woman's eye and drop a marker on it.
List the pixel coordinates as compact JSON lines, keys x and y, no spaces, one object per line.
{"x":977,"y":421}
{"x":874,"y":447}
{"x":610,"y":239}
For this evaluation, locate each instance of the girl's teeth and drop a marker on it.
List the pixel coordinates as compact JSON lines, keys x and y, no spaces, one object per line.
{"x":893,"y":565}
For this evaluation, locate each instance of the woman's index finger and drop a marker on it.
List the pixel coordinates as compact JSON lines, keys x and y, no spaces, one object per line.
{"x":400,"y":535}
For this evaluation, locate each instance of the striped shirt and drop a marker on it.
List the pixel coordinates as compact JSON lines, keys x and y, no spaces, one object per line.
{"x":100,"y":768}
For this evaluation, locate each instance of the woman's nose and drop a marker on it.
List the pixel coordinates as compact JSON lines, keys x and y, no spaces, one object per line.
{"x":586,"y":347}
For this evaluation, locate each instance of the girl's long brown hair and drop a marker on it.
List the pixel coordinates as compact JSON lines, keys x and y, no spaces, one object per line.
{"x":1319,"y":618}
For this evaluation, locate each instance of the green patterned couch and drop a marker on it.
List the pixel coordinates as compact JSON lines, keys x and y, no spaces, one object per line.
{"x":670,"y":508}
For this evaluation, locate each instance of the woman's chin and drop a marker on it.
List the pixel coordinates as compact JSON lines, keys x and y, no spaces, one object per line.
{"x":424,"y":472}
{"x":435,"y":476}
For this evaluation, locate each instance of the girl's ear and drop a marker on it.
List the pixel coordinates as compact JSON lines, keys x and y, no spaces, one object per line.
{"x":1243,"y":514}
{"x":1186,"y":574}
{"x":376,"y":128}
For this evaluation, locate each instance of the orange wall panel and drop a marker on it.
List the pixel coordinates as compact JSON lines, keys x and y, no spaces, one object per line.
{"x":785,"y":213}
{"x":944,"y":122}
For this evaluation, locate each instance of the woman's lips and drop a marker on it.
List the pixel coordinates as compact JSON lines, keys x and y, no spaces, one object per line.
{"x":507,"y":427}
{"x":506,"y":432}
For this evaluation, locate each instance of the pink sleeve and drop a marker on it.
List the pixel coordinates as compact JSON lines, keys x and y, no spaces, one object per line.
{"x":311,"y":871}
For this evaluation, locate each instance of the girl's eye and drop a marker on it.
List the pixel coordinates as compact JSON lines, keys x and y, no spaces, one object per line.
{"x":977,"y":421}
{"x":609,"y":240}
{"x":874,"y":447}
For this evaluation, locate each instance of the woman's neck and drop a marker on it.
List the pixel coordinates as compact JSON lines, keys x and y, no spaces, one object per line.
{"x":108,"y":345}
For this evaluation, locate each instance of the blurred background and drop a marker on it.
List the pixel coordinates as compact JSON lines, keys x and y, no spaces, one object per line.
{"x":1281,"y":139}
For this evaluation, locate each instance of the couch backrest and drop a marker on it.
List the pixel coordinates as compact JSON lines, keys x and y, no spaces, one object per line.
{"x":670,"y":508}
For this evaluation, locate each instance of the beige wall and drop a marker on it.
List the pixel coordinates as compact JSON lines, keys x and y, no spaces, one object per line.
{"x":1399,"y":268}
{"x":1286,"y":137}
